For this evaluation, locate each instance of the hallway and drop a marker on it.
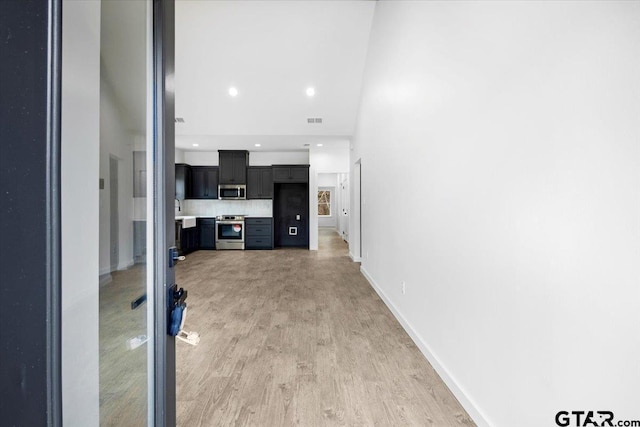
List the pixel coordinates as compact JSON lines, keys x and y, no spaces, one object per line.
{"x":293,"y":337}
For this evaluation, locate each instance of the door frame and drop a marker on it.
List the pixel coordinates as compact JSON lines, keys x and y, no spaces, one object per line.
{"x":30,"y":218}
{"x":164,"y":189}
{"x":355,"y":219}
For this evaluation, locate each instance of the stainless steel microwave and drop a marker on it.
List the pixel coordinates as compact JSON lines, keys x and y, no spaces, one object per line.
{"x":232,"y":192}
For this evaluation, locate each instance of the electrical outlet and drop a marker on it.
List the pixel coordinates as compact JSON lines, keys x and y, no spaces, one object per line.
{"x":404,"y":288}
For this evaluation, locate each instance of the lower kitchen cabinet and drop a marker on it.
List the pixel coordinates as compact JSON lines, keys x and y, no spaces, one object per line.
{"x":207,"y":231}
{"x":189,"y":240}
{"x":259,"y":233}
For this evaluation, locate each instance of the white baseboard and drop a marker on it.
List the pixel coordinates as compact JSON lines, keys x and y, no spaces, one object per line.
{"x":126,"y":265}
{"x":467,"y":403}
{"x":104,"y":279}
{"x":355,"y":258}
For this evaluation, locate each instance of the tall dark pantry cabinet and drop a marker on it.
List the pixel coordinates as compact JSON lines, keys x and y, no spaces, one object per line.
{"x":291,"y":205}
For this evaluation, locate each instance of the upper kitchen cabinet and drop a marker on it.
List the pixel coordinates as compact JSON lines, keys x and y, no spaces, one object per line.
{"x":204,"y":182}
{"x":183,"y":181}
{"x":291,"y":173}
{"x":259,"y":182}
{"x":233,"y":166}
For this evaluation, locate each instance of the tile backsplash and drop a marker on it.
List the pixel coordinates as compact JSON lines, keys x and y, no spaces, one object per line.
{"x":227,"y":207}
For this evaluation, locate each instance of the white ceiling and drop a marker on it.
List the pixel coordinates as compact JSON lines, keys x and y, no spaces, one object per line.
{"x":271,"y":51}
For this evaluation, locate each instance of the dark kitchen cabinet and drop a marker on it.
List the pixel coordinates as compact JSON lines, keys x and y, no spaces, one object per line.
{"x":259,"y":233}
{"x":259,"y":182}
{"x":291,"y":173}
{"x":207,"y":231}
{"x":189,"y":240}
{"x":291,"y":214}
{"x":233,"y":166}
{"x":204,"y":182}
{"x":183,"y":181}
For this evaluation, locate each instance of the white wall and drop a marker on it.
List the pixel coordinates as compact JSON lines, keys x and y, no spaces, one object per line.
{"x":117,"y":142}
{"x":179,"y":156}
{"x":266,"y":158}
{"x":201,"y":158}
{"x":327,"y":179}
{"x":507,"y":136}
{"x":333,"y":159}
{"x":80,"y":156}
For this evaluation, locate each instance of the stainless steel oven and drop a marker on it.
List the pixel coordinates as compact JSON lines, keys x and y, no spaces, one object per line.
{"x":230,"y":232}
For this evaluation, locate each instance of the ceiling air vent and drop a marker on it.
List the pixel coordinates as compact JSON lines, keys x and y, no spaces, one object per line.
{"x":314,"y":120}
{"x":179,"y":120}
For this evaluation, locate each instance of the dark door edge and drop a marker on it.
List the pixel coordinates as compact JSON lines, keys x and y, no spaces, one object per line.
{"x":53,"y":213}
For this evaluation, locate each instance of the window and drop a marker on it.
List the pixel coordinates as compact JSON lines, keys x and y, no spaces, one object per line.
{"x":324,"y":203}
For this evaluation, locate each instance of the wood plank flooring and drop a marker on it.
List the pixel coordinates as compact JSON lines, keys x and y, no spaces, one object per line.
{"x":123,"y":372}
{"x":295,"y":337}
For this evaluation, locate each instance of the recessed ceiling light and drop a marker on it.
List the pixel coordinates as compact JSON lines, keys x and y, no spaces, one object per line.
{"x":311,"y":91}
{"x":233,"y":91}
{"x":258,"y":145}
{"x":319,"y":145}
{"x":196,"y":145}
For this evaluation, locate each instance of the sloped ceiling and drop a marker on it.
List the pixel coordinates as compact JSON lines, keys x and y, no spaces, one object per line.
{"x":271,"y":51}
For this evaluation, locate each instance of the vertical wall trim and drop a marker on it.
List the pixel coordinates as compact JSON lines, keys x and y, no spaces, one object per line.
{"x":164,"y":194}
{"x":53,"y":213}
{"x":30,"y":81}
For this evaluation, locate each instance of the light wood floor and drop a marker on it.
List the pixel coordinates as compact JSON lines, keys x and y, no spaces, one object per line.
{"x":123,"y":372}
{"x":293,"y":337}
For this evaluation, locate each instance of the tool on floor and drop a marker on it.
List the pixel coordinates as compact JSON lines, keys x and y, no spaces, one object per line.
{"x":178,"y":315}
{"x":192,"y":338}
